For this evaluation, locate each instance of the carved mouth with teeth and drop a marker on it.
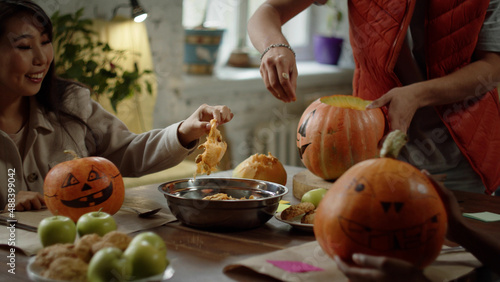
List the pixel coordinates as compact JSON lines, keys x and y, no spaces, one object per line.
{"x":92,"y":199}
{"x":387,"y":240}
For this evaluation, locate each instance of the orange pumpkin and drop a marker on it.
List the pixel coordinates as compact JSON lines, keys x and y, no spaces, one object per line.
{"x":336,"y":132}
{"x":82,"y":185}
{"x":382,"y":207}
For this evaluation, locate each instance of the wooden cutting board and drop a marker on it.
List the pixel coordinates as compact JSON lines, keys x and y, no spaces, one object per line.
{"x":305,"y":181}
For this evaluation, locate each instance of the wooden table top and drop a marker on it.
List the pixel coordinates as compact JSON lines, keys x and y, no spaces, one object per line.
{"x":198,"y":255}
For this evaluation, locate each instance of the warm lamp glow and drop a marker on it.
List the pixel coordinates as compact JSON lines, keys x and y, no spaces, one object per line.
{"x":138,"y":13}
{"x":140,"y":18}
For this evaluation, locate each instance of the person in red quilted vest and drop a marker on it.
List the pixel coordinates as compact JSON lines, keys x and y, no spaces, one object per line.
{"x":433,"y":66}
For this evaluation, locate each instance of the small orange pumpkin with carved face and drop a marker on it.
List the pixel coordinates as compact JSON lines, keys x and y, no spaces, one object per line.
{"x":382,"y":207}
{"x":82,"y":185}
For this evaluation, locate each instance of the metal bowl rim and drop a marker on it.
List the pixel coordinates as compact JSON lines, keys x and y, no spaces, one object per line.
{"x":223,"y":178}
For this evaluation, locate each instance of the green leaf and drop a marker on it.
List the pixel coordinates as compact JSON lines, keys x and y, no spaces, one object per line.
{"x":79,"y":13}
{"x":79,"y":55}
{"x":74,"y":72}
{"x":91,"y":66}
{"x":106,"y":48}
{"x":107,"y":74}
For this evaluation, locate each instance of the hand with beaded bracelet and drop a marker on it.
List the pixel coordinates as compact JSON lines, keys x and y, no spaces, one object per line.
{"x":279,"y":71}
{"x":278,"y":66}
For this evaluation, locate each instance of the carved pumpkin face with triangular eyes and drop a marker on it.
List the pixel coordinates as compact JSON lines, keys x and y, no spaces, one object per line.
{"x":382,"y":207}
{"x":83,"y":185}
{"x":94,"y":189}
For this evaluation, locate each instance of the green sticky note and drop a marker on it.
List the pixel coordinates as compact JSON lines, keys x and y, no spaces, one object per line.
{"x":483,"y":216}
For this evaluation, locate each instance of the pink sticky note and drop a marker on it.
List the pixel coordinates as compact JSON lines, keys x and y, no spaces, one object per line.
{"x":294,"y":266}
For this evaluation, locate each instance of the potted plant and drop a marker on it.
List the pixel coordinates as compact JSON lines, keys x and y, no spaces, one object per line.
{"x":80,"y":56}
{"x":201,"y":46}
{"x":327,"y":45}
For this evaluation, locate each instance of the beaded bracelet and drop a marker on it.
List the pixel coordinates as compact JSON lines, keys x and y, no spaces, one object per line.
{"x":276,"y":45}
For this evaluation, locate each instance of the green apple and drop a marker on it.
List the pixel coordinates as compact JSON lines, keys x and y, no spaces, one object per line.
{"x":314,"y":196}
{"x":98,"y":222}
{"x":146,"y":260}
{"x":109,"y":264}
{"x":153,"y":239}
{"x":56,"y":229}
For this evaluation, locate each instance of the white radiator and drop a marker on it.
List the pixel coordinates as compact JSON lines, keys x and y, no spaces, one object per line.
{"x":279,"y":138}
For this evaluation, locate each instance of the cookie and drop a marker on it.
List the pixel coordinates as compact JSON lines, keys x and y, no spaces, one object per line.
{"x":296,"y":210}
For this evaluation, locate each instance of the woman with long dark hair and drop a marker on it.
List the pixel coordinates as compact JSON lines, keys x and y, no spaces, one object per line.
{"x":41,"y":115}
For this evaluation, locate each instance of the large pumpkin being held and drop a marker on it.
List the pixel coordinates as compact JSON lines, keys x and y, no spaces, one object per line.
{"x":82,"y":185}
{"x":336,"y":132}
{"x":382,"y":207}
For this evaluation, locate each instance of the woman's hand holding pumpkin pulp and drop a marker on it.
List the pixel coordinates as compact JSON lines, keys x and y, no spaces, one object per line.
{"x":198,"y":124}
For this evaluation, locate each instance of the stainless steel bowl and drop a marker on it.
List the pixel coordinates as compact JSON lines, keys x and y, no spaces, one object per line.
{"x":184,"y":197}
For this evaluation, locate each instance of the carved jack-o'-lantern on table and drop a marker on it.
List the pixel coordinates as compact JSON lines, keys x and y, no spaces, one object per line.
{"x":82,"y":185}
{"x":382,"y":207}
{"x":335,"y":132}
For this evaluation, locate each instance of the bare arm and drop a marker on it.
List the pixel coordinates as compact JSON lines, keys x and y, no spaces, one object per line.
{"x":278,"y":67}
{"x":264,"y":27}
{"x":470,"y":81}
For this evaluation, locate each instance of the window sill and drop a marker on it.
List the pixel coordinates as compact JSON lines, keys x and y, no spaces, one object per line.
{"x":311,"y":75}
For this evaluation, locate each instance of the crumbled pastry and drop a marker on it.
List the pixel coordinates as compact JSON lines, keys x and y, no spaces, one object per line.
{"x":297,"y":210}
{"x":67,"y":269}
{"x":113,"y":239}
{"x":69,"y":262}
{"x":308,"y":218}
{"x":224,"y":196}
{"x":84,"y":246}
{"x":48,"y":254}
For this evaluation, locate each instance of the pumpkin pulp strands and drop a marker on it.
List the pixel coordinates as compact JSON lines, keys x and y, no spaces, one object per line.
{"x":346,"y":101}
{"x":73,"y":153}
{"x":393,"y":144}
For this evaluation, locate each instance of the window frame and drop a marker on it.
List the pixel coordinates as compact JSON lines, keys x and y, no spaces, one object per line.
{"x":238,"y":38}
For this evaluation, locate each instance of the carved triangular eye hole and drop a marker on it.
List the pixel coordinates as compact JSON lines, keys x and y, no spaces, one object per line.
{"x":70,"y":181}
{"x":303,"y":126}
{"x":94,"y":174}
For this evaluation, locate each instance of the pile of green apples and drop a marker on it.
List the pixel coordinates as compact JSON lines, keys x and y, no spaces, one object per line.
{"x":145,"y":256}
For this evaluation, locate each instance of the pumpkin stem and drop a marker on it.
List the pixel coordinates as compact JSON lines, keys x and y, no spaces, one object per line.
{"x":393,"y":144}
{"x":73,"y":153}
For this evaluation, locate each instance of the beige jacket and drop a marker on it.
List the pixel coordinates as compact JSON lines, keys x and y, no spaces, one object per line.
{"x":133,"y":154}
